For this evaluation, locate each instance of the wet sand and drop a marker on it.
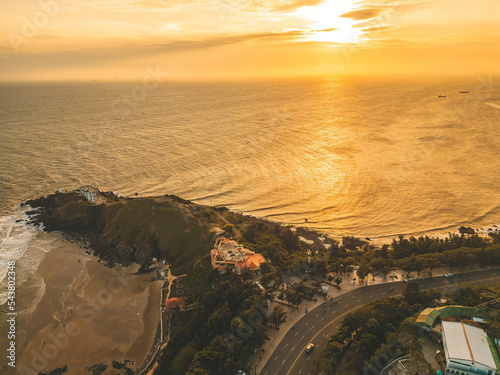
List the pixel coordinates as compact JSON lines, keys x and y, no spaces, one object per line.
{"x":89,"y":314}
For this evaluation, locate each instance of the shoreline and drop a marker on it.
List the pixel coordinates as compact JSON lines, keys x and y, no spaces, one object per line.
{"x":89,"y":314}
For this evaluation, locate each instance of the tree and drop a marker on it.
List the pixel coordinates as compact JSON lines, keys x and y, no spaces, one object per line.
{"x":294,"y":297}
{"x":468,"y":296}
{"x":351,"y":243}
{"x":278,"y":316}
{"x":385,"y":269}
{"x":411,"y":292}
{"x":363,"y":271}
{"x":183,"y":360}
{"x":228,"y":228}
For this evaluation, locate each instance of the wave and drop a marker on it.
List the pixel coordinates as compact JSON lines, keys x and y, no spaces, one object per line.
{"x":17,"y":243}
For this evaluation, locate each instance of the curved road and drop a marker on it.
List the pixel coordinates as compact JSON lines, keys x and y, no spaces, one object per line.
{"x":289,"y":357}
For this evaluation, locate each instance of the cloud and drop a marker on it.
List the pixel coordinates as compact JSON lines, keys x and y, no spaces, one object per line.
{"x":279,"y":6}
{"x":290,"y":5}
{"x":226,"y":39}
{"x":326,"y":30}
{"x":377,"y":28}
{"x":363,"y":14}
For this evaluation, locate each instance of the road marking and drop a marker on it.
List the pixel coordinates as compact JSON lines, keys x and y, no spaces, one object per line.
{"x":491,"y":278}
{"x":292,"y":349}
{"x":366,"y":292}
{"x":371,"y":296}
{"x":283,"y":361}
{"x":317,"y":315}
{"x":322,"y":319}
{"x":306,"y":323}
{"x":358,"y":300}
{"x":286,"y":345}
{"x":312,"y":327}
{"x":308,"y":358}
{"x":296,"y":333}
{"x":338,"y":317}
{"x":302,"y":337}
{"x":266,"y":372}
{"x":276,"y":358}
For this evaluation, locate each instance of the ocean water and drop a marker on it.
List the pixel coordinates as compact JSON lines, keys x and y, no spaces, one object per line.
{"x":370,"y":157}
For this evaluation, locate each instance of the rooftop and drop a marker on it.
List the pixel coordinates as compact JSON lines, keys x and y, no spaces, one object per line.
{"x":430,"y":315}
{"x":468,"y":343}
{"x":232,"y":252}
{"x":88,"y":188}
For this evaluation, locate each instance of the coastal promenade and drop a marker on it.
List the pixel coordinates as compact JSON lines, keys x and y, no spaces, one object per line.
{"x":158,"y":341}
{"x":284,"y":354}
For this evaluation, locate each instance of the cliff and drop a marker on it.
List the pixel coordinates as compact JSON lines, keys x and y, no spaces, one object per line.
{"x":126,"y":230}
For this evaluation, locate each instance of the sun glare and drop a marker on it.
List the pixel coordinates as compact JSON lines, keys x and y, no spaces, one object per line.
{"x":326,"y":16}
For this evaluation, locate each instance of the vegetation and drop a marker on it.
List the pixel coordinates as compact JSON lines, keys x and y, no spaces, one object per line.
{"x":277,"y":317}
{"x":366,"y":330}
{"x":413,"y":254}
{"x":225,"y":307}
{"x":385,"y":329}
{"x":228,"y":322}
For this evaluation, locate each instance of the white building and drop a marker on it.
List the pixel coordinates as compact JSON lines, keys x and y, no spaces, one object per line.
{"x":89,"y":193}
{"x":467,"y":350}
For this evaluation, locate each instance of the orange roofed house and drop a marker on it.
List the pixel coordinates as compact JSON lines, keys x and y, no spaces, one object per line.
{"x":228,"y":255}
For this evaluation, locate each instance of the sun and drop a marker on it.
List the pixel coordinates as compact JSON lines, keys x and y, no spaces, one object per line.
{"x":328,"y":26}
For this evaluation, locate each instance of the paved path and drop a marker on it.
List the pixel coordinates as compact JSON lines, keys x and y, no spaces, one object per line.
{"x":158,"y":340}
{"x":289,"y":357}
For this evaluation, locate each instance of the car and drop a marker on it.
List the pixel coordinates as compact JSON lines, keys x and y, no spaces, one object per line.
{"x":309,"y":347}
{"x":448,"y":275}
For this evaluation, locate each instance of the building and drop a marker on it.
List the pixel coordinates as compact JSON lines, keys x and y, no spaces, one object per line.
{"x":160,"y":274}
{"x":228,"y":255}
{"x":89,"y":193}
{"x":175,"y":303}
{"x":430,"y":317}
{"x":468,"y":350}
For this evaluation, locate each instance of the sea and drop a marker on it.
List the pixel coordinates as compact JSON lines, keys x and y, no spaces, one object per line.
{"x":366,"y":156}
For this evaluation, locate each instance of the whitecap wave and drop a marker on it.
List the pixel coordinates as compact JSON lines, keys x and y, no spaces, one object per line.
{"x":18,"y":243}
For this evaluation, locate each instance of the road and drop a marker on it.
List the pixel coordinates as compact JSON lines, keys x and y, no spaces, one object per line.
{"x":289,"y":357}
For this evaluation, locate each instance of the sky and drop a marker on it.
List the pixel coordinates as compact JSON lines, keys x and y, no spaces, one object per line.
{"x":245,"y":39}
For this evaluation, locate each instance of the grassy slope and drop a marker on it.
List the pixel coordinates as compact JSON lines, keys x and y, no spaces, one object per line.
{"x":134,"y":230}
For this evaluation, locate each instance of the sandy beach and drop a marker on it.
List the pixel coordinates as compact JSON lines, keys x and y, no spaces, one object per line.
{"x":89,"y":314}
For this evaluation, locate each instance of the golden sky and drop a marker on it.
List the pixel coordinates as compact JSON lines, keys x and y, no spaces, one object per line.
{"x":228,"y":39}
